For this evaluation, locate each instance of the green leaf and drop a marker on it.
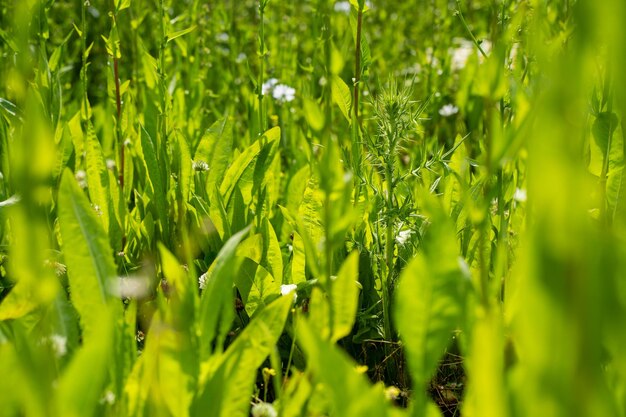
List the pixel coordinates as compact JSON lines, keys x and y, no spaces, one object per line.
{"x":341,"y":96}
{"x":247,"y":159}
{"x":10,"y":108}
{"x":185,"y":170}
{"x":97,"y":177}
{"x":154,"y":176}
{"x":272,"y":256}
{"x":216,"y":303}
{"x":603,"y":128}
{"x":87,"y":254}
{"x":313,"y":114}
{"x":263,"y":290}
{"x":173,"y":35}
{"x":429,"y":301}
{"x":616,"y":195}
{"x":298,"y":260}
{"x":228,"y":391}
{"x":345,"y":297}
{"x":215,"y":148}
{"x":349,"y":392}
{"x":81,"y":386}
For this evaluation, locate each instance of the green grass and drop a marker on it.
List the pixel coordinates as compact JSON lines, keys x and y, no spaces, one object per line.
{"x":313,"y":208}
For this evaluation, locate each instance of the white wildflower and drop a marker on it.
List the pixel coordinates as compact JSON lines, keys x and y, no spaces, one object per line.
{"x":403,"y":236}
{"x":223,"y":37}
{"x":263,"y":410}
{"x":108,"y":398}
{"x":448,"y":110}
{"x":283,"y":93}
{"x":520,"y":195}
{"x":269,"y":85}
{"x":200,"y":166}
{"x":81,"y":178}
{"x":241,"y":58}
{"x":59,"y":344}
{"x":461,"y":53}
{"x":202,"y":280}
{"x":110,"y":164}
{"x":288,"y":289}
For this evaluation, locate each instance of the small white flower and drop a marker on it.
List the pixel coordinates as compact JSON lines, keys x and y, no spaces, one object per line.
{"x":81,"y":178}
{"x":287,"y":288}
{"x":269,"y":85}
{"x":403,"y":236}
{"x":342,"y":7}
{"x":110,"y":164}
{"x":283,"y":93}
{"x":59,"y":345}
{"x":461,"y":54}
{"x":263,"y":410}
{"x":448,"y":110}
{"x":241,"y":58}
{"x":223,"y":37}
{"x":202,"y":280}
{"x":200,"y":166}
{"x":108,"y":398}
{"x":520,"y":195}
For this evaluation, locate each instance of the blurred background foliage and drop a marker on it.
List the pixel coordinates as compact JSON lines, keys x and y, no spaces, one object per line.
{"x":312,"y":208}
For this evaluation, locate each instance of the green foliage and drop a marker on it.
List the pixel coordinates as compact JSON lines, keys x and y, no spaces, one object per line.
{"x":312,"y":208}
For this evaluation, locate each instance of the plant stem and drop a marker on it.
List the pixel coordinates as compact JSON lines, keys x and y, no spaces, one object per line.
{"x":83,"y":70}
{"x":262,"y":121}
{"x":389,"y":253}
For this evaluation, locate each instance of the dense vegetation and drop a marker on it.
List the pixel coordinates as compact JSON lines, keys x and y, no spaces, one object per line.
{"x":312,"y":208}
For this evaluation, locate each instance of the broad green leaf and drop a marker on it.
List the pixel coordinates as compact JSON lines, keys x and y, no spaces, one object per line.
{"x":429,"y":301}
{"x":485,"y":393}
{"x":154,"y":176}
{"x":97,"y":177}
{"x":298,"y":261}
{"x":251,"y":248}
{"x":247,"y":160}
{"x":603,"y":129}
{"x":185,"y":170}
{"x":350,"y":392}
{"x":616,"y":196}
{"x":216,"y":303}
{"x":215,"y":148}
{"x":345,"y":297}
{"x":341,"y":96}
{"x":88,"y":256}
{"x":228,"y":391}
{"x":81,"y":386}
{"x":272,"y":256}
{"x":263,"y":290}
{"x":165,"y":376}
